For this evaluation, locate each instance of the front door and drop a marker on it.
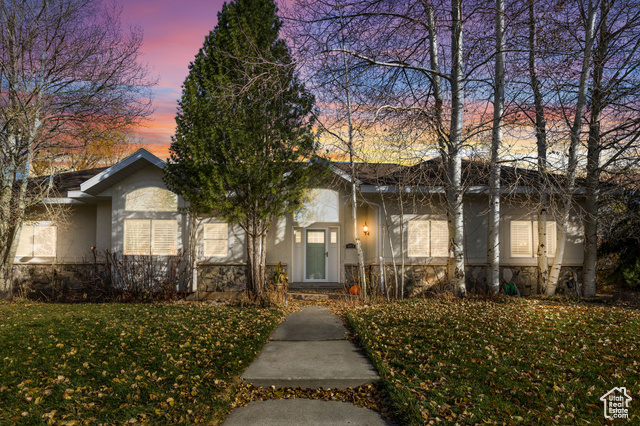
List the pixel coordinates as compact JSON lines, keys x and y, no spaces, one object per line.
{"x":316,"y":255}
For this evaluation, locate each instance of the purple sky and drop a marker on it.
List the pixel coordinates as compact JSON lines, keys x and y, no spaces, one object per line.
{"x":173,"y":33}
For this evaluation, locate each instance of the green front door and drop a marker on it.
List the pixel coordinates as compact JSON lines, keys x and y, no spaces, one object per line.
{"x":316,"y":255}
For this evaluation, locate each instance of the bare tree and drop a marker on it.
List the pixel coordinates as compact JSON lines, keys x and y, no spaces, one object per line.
{"x":63,"y":63}
{"x":574,"y":145}
{"x":613,"y":117}
{"x":493,"y":238}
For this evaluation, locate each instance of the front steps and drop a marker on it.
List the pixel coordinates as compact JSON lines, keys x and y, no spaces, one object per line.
{"x":329,"y":287}
{"x":317,"y":296}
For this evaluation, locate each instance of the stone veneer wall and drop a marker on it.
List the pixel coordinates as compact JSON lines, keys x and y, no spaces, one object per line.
{"x":423,"y":279}
{"x":54,"y":281}
{"x":226,"y":278}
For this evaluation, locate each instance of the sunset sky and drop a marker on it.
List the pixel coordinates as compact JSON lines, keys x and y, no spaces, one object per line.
{"x":173,"y":33}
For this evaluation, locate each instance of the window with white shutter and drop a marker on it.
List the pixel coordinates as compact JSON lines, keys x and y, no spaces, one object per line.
{"x":439,"y":238}
{"x":137,"y":237}
{"x":164,"y":237}
{"x":150,"y":237}
{"x":418,"y":238}
{"x":524,"y":238}
{"x":25,"y":245}
{"x":37,"y":240}
{"x":216,"y":239}
{"x":521,"y":238}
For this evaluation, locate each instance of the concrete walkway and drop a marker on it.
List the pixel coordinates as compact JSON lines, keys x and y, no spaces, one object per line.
{"x":308,"y":350}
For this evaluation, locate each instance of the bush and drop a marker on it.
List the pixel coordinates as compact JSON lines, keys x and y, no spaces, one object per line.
{"x":620,"y":244}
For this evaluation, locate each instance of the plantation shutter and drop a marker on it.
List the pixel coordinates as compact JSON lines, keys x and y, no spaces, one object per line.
{"x":551,"y":238}
{"x":521,"y":238}
{"x":216,"y":236}
{"x":418,"y":238}
{"x":137,"y":237}
{"x":25,"y":244}
{"x":439,"y":238}
{"x":164,"y":240}
{"x":44,"y":241}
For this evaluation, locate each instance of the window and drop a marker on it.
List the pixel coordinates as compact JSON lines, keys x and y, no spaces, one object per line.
{"x":151,"y":237}
{"x":216,"y":239}
{"x":315,"y":237}
{"x":439,"y":238}
{"x":151,"y":199}
{"x":428,"y":238}
{"x":298,"y":235}
{"x":524,"y":238}
{"x":37,"y":240}
{"x":334,"y":237}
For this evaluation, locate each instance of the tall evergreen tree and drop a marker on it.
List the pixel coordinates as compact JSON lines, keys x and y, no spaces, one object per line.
{"x":244,"y":126}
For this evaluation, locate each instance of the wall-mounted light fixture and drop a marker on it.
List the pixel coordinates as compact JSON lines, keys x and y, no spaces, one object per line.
{"x":365,"y":229}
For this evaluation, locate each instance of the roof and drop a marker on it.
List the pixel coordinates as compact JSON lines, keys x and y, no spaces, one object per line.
{"x":70,"y":181}
{"x":432,"y":173}
{"x":91,"y":182}
{"x":429,"y":173}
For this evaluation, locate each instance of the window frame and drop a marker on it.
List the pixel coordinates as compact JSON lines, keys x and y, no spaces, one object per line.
{"x":152,"y":240}
{"x":533,"y":237}
{"x":428,"y":252}
{"x":205,"y":239}
{"x":122,"y":215}
{"x":34,"y":225}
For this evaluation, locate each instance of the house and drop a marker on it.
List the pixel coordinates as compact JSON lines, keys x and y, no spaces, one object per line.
{"x":127,"y":209}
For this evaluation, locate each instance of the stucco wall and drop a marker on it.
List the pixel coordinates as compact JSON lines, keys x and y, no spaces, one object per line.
{"x":145,"y":177}
{"x":75,"y":233}
{"x":475,"y":226}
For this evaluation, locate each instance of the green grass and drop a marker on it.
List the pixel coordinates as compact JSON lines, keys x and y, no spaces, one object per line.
{"x":165,"y":363}
{"x":519,"y":361}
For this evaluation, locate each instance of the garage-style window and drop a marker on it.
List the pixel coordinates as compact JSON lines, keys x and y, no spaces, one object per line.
{"x":428,"y":238}
{"x":524,"y":238}
{"x":37,"y":240}
{"x":216,"y":239}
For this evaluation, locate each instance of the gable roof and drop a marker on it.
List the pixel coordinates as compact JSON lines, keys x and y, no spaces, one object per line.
{"x":108,"y":177}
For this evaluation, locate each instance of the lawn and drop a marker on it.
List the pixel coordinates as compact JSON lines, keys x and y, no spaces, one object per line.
{"x":111,"y":363}
{"x":516,"y":361}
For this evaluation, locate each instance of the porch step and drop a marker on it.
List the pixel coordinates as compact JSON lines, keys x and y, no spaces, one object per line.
{"x":329,"y":287}
{"x":317,"y":296}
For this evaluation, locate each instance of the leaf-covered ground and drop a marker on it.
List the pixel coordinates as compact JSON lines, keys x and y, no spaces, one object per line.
{"x":510,"y":362}
{"x":112,"y":364}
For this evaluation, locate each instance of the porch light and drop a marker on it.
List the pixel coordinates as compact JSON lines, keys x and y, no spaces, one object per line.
{"x":365,"y":229}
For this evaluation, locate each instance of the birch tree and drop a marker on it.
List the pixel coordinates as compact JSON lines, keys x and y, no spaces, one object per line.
{"x":63,"y":64}
{"x":493,"y":238}
{"x":322,"y":37}
{"x":574,"y":144}
{"x":614,"y":123}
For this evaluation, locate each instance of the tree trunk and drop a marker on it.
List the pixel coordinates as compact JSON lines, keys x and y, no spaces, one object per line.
{"x":541,"y":143}
{"x":594,"y":144}
{"x":255,"y":256}
{"x":402,"y":244}
{"x":493,"y":237}
{"x":393,"y":254}
{"x":572,"y":161}
{"x":354,"y":187}
{"x":455,"y":190}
